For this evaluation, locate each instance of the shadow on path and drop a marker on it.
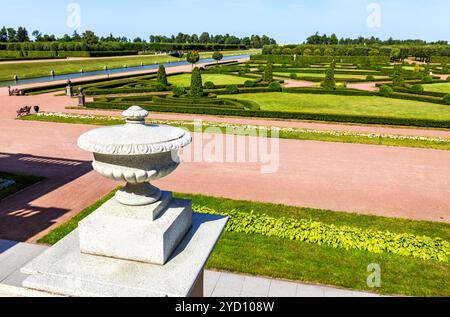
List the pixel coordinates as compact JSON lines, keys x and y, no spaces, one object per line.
{"x":26,"y":213}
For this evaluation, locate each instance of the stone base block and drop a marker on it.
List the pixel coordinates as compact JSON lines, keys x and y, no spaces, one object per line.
{"x":147,"y":234}
{"x":64,"y":270}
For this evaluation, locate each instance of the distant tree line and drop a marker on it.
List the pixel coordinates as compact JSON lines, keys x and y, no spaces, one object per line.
{"x":21,"y":35}
{"x":324,"y":39}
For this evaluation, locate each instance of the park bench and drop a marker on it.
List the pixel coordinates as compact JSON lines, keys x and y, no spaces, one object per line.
{"x":15,"y":92}
{"x":24,"y":111}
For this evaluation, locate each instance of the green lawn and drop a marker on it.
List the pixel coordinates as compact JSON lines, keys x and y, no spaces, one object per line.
{"x":185,"y":79}
{"x":21,"y":182}
{"x":439,"y":87}
{"x":348,"y":105}
{"x":38,"y":69}
{"x":338,"y":76}
{"x":312,"y":263}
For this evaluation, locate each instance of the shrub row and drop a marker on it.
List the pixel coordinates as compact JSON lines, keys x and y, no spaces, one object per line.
{"x":292,"y":115}
{"x":320,"y":59}
{"x":338,"y":237}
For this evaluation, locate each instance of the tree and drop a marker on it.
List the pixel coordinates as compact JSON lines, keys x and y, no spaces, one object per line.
{"x":196,"y":83}
{"x":137,"y":40}
{"x":268,"y":73}
{"x":193,"y":57}
{"x":218,"y":56}
{"x":330,"y":82}
{"x":3,"y":35}
{"x":162,"y":76}
{"x":12,"y":35}
{"x":22,"y":35}
{"x":328,"y":51}
{"x":76,"y":37}
{"x":89,"y":37}
{"x":307,"y":52}
{"x":204,"y":38}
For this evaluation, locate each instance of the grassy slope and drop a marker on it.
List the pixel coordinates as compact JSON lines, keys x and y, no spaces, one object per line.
{"x":21,"y":183}
{"x":350,"y":105}
{"x":185,"y":79}
{"x":38,"y":69}
{"x":28,"y":70}
{"x":259,"y":255}
{"x":439,"y":87}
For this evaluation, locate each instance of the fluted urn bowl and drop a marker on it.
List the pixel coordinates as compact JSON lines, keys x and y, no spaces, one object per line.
{"x":135,"y":153}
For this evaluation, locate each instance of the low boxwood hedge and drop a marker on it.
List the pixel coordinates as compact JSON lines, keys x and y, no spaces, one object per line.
{"x":284,"y":115}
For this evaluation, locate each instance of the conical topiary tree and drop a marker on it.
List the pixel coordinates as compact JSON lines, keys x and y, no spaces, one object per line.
{"x":162,"y":76}
{"x":398,"y":80}
{"x":196,"y":83}
{"x":330,"y":82}
{"x":268,"y":73}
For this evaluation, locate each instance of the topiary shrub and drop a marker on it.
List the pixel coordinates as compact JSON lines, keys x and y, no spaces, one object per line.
{"x":275,"y":86}
{"x":370,"y":78}
{"x":217,"y":56}
{"x":178,"y":91}
{"x":448,"y":78}
{"x":417,"y":89}
{"x":268,"y":73}
{"x":162,"y":76}
{"x":249,"y":84}
{"x":330,"y":82}
{"x":232,"y":89}
{"x":293,"y":76}
{"x":398,"y":79}
{"x":196,"y":83}
{"x":209,"y":85}
{"x":386,"y":91}
{"x":427,"y":79}
{"x":446,"y":99}
{"x":193,"y":57}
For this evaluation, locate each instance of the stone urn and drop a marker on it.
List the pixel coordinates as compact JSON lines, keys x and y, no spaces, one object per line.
{"x":137,"y":154}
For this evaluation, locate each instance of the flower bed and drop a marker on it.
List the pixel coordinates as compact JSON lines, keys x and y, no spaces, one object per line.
{"x":342,"y":237}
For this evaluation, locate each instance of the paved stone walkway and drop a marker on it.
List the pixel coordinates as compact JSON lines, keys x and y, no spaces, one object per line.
{"x":14,"y":256}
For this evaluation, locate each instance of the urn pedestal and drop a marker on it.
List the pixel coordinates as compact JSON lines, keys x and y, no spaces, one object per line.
{"x":142,"y":242}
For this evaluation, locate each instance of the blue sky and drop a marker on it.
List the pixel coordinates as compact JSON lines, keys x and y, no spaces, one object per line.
{"x":288,"y":21}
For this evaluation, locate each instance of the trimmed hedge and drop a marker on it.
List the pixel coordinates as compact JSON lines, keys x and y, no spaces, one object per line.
{"x":287,"y":115}
{"x":338,"y":237}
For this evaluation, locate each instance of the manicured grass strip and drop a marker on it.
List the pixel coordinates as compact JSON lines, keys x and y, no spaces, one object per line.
{"x":21,"y":182}
{"x":39,"y":69}
{"x":75,"y":119}
{"x":440,"y":87}
{"x":349,"y":105}
{"x":311,"y":263}
{"x":218,"y":79}
{"x":294,"y":134}
{"x":338,"y":237}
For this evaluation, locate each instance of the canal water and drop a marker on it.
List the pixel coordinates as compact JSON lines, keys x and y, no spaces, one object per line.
{"x":106,"y":72}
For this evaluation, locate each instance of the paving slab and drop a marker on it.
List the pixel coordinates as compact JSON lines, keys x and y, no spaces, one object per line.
{"x":217,"y":284}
